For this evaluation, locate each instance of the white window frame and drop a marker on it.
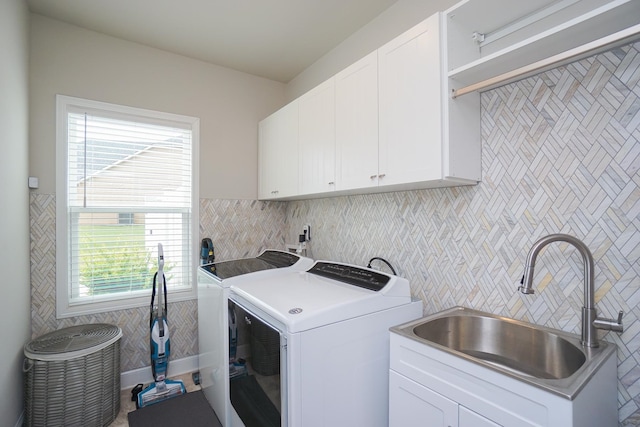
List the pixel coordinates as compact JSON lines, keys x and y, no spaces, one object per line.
{"x":64,"y":307}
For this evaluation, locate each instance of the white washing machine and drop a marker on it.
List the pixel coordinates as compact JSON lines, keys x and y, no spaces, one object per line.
{"x":330,"y":326}
{"x":214,"y":281}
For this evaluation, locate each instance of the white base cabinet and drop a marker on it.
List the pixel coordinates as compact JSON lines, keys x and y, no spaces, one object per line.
{"x":417,"y":406}
{"x":413,"y":405}
{"x":430,"y":387}
{"x":468,"y":418}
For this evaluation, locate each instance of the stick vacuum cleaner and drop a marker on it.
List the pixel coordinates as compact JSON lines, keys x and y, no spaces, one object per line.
{"x":163,"y":388}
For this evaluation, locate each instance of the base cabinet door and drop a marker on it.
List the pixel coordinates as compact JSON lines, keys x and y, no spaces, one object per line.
{"x":468,"y":418}
{"x":413,"y":405}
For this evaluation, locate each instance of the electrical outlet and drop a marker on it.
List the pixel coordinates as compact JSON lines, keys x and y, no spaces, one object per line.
{"x":307,"y":231}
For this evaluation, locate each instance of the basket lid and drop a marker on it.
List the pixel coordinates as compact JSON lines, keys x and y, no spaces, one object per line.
{"x":72,"y":342}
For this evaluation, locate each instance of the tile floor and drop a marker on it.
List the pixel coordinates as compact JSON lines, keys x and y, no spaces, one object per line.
{"x":126,"y":405}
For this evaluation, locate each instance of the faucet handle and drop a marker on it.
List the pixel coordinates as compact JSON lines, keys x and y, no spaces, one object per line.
{"x":610,"y":324}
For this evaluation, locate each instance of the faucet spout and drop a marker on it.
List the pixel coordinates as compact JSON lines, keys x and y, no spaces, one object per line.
{"x":590,"y":321}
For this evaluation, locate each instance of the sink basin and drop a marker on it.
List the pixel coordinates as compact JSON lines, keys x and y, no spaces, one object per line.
{"x":516,"y":346}
{"x":545,"y":357}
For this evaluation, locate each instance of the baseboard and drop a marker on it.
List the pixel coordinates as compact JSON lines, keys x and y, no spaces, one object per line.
{"x":185,"y":365}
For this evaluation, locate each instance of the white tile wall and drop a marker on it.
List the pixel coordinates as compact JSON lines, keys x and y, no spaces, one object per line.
{"x":561,"y":153}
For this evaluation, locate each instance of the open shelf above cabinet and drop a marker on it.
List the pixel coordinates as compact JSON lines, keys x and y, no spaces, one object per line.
{"x":492,"y":37}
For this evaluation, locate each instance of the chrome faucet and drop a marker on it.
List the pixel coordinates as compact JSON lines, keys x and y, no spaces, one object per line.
{"x":590,"y":321}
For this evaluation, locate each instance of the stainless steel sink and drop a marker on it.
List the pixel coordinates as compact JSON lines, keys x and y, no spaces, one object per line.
{"x":547,"y":358}
{"x":522,"y":348}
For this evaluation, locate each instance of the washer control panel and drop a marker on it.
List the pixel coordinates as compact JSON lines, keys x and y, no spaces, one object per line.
{"x":355,"y":276}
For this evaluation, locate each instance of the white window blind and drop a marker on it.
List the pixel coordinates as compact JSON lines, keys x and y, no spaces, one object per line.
{"x":129,"y":186}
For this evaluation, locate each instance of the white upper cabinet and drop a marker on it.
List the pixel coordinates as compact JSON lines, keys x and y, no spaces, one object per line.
{"x":410,"y":121}
{"x":357,"y":124}
{"x":317,"y":139}
{"x":278,"y":154}
{"x":407,"y":116}
{"x":385,"y":123}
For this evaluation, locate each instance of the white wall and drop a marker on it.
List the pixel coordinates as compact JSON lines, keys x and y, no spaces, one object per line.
{"x":73,"y":61}
{"x":392,"y":22}
{"x":14,"y":199}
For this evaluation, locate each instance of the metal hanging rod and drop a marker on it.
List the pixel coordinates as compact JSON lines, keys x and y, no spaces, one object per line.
{"x":616,"y":39}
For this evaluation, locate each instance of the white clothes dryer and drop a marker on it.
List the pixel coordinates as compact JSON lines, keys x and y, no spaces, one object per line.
{"x":331,"y":324}
{"x":214,"y":281}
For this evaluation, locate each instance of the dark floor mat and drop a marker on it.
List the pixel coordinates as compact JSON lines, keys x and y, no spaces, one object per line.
{"x":191,"y":409}
{"x":251,"y":403}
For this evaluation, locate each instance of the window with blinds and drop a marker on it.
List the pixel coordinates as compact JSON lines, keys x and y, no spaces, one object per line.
{"x":128,"y":185}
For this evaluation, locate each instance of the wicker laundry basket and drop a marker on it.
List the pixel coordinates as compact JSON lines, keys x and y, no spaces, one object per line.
{"x":72,"y":377}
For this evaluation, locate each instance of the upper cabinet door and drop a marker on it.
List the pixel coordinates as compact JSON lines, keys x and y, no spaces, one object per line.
{"x":357,"y":124}
{"x":277,"y":154}
{"x":317,"y":139}
{"x":410,"y":122}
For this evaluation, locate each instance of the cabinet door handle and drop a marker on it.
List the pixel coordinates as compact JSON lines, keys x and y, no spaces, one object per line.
{"x":373,"y":176}
{"x":382,"y":175}
{"x":331,"y":183}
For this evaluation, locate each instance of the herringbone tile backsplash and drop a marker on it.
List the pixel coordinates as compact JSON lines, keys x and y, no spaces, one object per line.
{"x":240,"y":228}
{"x":561,"y":153}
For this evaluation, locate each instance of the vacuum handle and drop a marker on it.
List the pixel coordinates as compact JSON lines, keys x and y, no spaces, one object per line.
{"x":160,"y":276}
{"x":160,"y":280}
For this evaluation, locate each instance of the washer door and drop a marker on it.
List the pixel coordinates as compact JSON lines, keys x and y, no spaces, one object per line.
{"x":257,"y":373}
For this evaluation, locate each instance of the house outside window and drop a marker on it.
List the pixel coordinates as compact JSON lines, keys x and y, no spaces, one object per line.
{"x":126,"y":181}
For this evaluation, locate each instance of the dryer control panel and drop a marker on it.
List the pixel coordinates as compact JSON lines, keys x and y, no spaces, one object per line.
{"x":355,"y":276}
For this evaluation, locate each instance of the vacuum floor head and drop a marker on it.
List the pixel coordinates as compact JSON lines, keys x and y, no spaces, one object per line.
{"x":159,"y":392}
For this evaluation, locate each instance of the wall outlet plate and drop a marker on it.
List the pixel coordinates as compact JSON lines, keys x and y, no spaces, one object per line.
{"x":33,"y":182}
